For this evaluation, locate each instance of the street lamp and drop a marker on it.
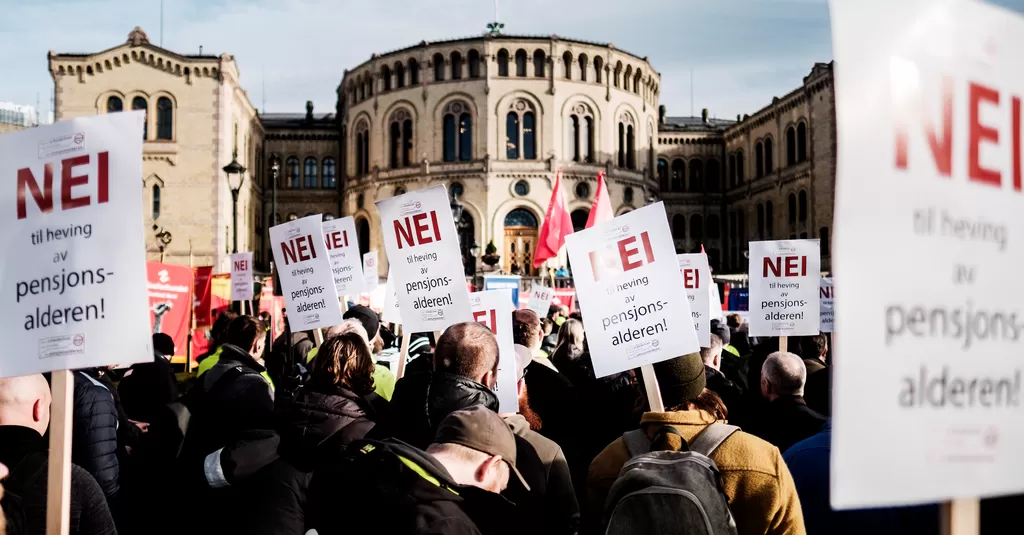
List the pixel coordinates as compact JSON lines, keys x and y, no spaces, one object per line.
{"x":474,"y":250}
{"x":163,"y":237}
{"x":235,"y":168}
{"x":457,"y":209}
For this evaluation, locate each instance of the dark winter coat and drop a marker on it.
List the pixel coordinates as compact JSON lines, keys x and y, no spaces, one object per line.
{"x":94,"y":432}
{"x":562,"y":510}
{"x":24,"y":452}
{"x":818,"y":391}
{"x":732,"y":395}
{"x":313,"y":415}
{"x":786,"y":421}
{"x":145,"y":388}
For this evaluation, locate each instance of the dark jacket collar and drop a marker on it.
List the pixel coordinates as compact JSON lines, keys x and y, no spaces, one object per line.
{"x":422,"y":400}
{"x":233,"y":353}
{"x":789,"y":401}
{"x":16,"y":442}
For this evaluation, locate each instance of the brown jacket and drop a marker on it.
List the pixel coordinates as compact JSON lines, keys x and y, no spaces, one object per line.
{"x":759,"y":487}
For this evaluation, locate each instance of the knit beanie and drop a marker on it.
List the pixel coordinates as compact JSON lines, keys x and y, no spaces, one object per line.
{"x":680,"y":379}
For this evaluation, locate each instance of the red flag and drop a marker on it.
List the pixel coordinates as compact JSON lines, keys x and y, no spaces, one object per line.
{"x":557,"y":225}
{"x":601,"y":210}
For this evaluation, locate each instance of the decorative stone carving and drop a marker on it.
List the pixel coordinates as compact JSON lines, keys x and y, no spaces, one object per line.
{"x":138,"y":37}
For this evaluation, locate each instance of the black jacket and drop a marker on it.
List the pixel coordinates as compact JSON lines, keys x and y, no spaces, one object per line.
{"x":94,"y":432}
{"x":786,"y":421}
{"x":422,"y":400}
{"x":24,"y":452}
{"x":392,"y":487}
{"x":313,"y":415}
{"x":732,"y":395}
{"x":145,"y":388}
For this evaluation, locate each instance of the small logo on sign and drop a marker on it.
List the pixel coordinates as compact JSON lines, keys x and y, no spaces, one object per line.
{"x":164,"y":277}
{"x":78,"y":340}
{"x":79,"y":138}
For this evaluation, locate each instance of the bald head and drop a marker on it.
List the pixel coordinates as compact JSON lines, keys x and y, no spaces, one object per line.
{"x":25,"y":401}
{"x":783,"y":374}
{"x":468,"y":350}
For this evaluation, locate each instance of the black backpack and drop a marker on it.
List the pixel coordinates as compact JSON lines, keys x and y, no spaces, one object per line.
{"x":670,"y":492}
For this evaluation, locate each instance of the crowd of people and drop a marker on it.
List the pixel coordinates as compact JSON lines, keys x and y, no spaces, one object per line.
{"x":298,"y":435}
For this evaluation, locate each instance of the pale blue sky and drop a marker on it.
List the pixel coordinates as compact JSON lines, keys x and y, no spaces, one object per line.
{"x":741,"y":52}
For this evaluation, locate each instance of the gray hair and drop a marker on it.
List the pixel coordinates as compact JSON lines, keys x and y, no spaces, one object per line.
{"x":786,"y":372}
{"x":708,"y":354}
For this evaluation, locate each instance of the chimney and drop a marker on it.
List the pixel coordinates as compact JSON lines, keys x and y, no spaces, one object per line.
{"x":661,"y":114}
{"x":309,"y":110}
{"x":704,"y":115}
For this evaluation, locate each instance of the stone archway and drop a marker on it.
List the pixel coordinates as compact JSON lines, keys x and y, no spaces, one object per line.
{"x":520,"y":242}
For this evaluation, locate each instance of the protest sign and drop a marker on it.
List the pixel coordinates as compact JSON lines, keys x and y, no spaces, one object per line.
{"x":697,"y":281}
{"x":371,"y":278}
{"x":74,"y":268}
{"x":391,"y":312}
{"x":494,"y":309}
{"x":500,"y":282}
{"x":241,"y":276}
{"x":927,"y":253}
{"x":784,"y":287}
{"x":826,"y":294}
{"x":714,"y":301}
{"x":169,"y":289}
{"x":343,"y":249}
{"x":630,"y":290}
{"x":540,"y":299}
{"x":426,"y":263}
{"x":307,"y":281}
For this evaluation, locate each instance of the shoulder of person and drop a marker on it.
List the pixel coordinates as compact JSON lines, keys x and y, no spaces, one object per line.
{"x":607,"y":464}
{"x":743,"y":451}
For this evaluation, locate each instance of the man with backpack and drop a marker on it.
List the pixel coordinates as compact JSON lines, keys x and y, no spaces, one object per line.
{"x":24,"y":418}
{"x":685,"y":449}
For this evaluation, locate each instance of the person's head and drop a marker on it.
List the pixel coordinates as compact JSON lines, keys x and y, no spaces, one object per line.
{"x":344,"y":360}
{"x":814,"y":346}
{"x":722,"y":330}
{"x":477,"y":448}
{"x":783,"y":374}
{"x":712,"y":356}
{"x":349,"y":326}
{"x":546,"y":326}
{"x":25,"y":401}
{"x":163,"y":344}
{"x":681,"y":380}
{"x":571,"y":332}
{"x":526,"y":328}
{"x":734,"y":321}
{"x":468,"y":350}
{"x":248,"y":333}
{"x":366,"y":316}
{"x":220,"y":326}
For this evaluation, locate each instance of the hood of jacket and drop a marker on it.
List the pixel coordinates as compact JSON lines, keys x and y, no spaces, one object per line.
{"x":421,"y":401}
{"x":235,"y":354}
{"x":313,"y":415}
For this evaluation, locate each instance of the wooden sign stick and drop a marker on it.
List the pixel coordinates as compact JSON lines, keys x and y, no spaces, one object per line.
{"x":344,"y":304}
{"x":651,"y":385}
{"x":960,"y":517}
{"x":58,"y":493}
{"x":783,"y":344}
{"x":318,"y":337}
{"x":403,"y":354}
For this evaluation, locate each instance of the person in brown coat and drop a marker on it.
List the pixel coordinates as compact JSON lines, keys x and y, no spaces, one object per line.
{"x":759,"y":487}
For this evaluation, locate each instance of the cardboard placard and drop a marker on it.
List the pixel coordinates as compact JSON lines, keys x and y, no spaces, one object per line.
{"x":697,"y":281}
{"x":169,"y":289}
{"x":241,"y":276}
{"x":826,"y":295}
{"x":540,"y":299}
{"x":500,"y":282}
{"x":494,"y":309}
{"x":391,"y":312}
{"x":630,"y":291}
{"x":73,"y":292}
{"x":426,"y":263}
{"x":307,"y":281}
{"x":784,"y":279}
{"x":370,"y":276}
{"x":343,"y":248}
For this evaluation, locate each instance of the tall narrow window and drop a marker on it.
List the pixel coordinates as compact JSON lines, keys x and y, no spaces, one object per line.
{"x":529,"y":136}
{"x":769,"y":157}
{"x":584,"y":63}
{"x":711,"y":177}
{"x":449,"y":138}
{"x":438,"y":68}
{"x":679,"y":227}
{"x":164,"y":119}
{"x":739,"y":167}
{"x":114,"y":105}
{"x":588,"y":139}
{"x":801,"y":142}
{"x":362,"y":148}
{"x":407,"y":145}
{"x":309,"y":173}
{"x":732,"y":170}
{"x":792,"y":208}
{"x":567,"y":65}
{"x":678,"y":175}
{"x":663,"y":175}
{"x":803,"y":206}
{"x":538,"y":63}
{"x":758,"y":160}
{"x":292,"y":172}
{"x":696,"y":175}
{"x":399,"y":75}
{"x":369,"y":84}
{"x":512,"y":136}
{"x":622,"y":145}
{"x":396,"y":144}
{"x":465,"y":137}
{"x":414,"y":72}
{"x":598,"y":69}
{"x":474,"y":64}
{"x":359,"y":153}
{"x":385,"y":75}
{"x":456,"y":65}
{"x":790,"y":146}
{"x":400,"y":137}
{"x":697,"y":227}
{"x":574,"y":138}
{"x":156,"y":201}
{"x":521,"y":63}
{"x":580,"y":126}
{"x":330,"y":181}
{"x":503,"y":62}
{"x":457,"y":132}
{"x":630,"y":148}
{"x":139,"y":103}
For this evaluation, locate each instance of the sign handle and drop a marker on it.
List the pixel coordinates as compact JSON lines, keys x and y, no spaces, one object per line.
{"x":318,"y":337}
{"x":437,"y":336}
{"x":651,"y":385}
{"x":403,"y":354}
{"x":344,"y":304}
{"x":961,"y":516}
{"x":58,"y":493}
{"x":783,"y":344}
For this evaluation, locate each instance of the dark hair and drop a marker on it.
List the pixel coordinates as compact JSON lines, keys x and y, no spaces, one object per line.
{"x":220,"y":326}
{"x":707,"y":401}
{"x":525,"y":327}
{"x":578,"y":316}
{"x":811,"y":347}
{"x":344,"y":360}
{"x":243,"y":332}
{"x":163,"y":343}
{"x":574,"y":363}
{"x":468,"y":350}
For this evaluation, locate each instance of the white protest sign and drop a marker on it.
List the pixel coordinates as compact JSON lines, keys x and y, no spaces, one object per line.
{"x":493,"y":308}
{"x":73,"y":291}
{"x":540,"y":299}
{"x":628,"y":285}
{"x":307,"y":281}
{"x":391,"y":312}
{"x":928,"y":253}
{"x":826,"y":295}
{"x":784,"y":287}
{"x":715,"y":301}
{"x":241,"y":276}
{"x":343,"y":250}
{"x":426,"y":264}
{"x":370,"y":276}
{"x":697,"y":281}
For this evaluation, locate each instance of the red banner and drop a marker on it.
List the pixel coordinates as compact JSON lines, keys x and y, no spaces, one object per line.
{"x":170,"y":298}
{"x":202,"y":296}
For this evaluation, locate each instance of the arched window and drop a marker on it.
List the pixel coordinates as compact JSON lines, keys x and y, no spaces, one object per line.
{"x":598,"y":69}
{"x":622,"y":145}
{"x":790,"y":146}
{"x":456,"y":65}
{"x":714,"y":227}
{"x":292,"y":172}
{"x":696,"y":175}
{"x":362,"y":148}
{"x":474,"y":64}
{"x":678,"y":175}
{"x":630,"y":147}
{"x":438,"y":68}
{"x":616,"y":78}
{"x":359,"y":153}
{"x":521,"y":131}
{"x":414,"y":72}
{"x":457,"y":134}
{"x":114,"y":105}
{"x":584,"y":63}
{"x":732,"y":170}
{"x":512,"y":135}
{"x":567,"y":64}
{"x":769,"y":160}
{"x":760,"y":221}
{"x":396,"y":144}
{"x":521,"y":217}
{"x":521,"y":63}
{"x":503,"y":62}
{"x":663,"y":174}
{"x":801,"y":142}
{"x":164,"y":119}
{"x":679,"y":227}
{"x":465,"y":137}
{"x":769,"y":219}
{"x":369,"y":84}
{"x":792,"y":209}
{"x":156,"y":201}
{"x":529,"y":136}
{"x":329,"y":173}
{"x":309,"y":173}
{"x":538,"y":63}
{"x":139,"y":103}
{"x":449,"y":138}
{"x":401,"y":133}
{"x":581,"y":133}
{"x":363,"y":234}
{"x":385,"y":75}
{"x":758,"y":160}
{"x":407,"y":143}
{"x":637,"y":81}
{"x":803,"y":206}
{"x":739,"y":167}
{"x":697,"y":227}
{"x":712,"y":179}
{"x":399,"y":75}
{"x":361,"y":90}
{"x":627,"y":78}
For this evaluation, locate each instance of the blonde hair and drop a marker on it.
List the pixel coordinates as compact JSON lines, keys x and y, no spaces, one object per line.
{"x":344,"y":360}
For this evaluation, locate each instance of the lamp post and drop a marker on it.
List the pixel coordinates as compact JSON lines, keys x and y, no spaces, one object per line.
{"x":457,"y":211}
{"x":234,"y":168}
{"x":163,"y":238}
{"x":275,"y":171}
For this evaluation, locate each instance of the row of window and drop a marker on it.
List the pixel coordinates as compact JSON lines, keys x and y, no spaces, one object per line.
{"x":164,"y":115}
{"x":314,"y":174}
{"x":714,"y":230}
{"x":703,"y":177}
{"x":764,"y":154}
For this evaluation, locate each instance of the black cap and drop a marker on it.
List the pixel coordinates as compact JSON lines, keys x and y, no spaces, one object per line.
{"x":367,"y":317}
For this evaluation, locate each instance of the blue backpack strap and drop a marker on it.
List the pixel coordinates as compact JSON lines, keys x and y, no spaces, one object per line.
{"x":711,"y":438}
